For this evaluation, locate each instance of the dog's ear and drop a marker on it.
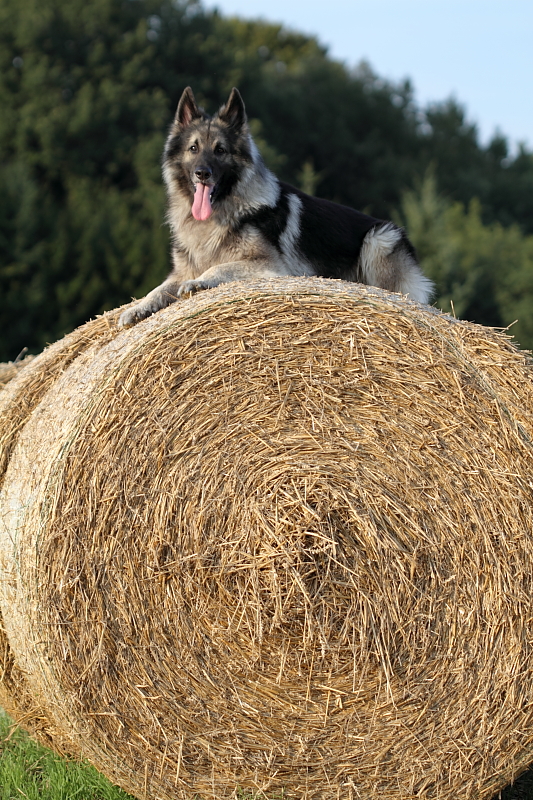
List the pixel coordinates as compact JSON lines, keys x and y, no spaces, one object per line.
{"x":187,"y":109}
{"x":233,"y":113}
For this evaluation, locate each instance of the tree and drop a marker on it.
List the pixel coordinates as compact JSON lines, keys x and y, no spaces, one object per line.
{"x":464,"y":169}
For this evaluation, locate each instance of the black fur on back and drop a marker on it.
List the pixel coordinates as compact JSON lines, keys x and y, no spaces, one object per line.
{"x":330,"y":235}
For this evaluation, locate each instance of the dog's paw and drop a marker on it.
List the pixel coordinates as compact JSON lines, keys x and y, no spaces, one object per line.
{"x":133,"y":315}
{"x":190,"y":287}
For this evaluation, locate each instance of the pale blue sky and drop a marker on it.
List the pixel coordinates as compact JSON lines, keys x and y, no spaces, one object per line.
{"x":479,"y":51}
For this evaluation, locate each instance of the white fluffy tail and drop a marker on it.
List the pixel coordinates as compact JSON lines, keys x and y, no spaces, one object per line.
{"x":386,"y":262}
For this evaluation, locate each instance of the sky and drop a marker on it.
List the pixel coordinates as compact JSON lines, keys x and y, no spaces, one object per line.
{"x":478,"y":51}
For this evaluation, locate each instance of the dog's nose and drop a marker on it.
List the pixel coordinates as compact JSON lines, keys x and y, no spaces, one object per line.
{"x":203,"y":174}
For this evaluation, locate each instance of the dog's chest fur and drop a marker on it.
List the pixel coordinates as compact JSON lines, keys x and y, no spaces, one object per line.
{"x":198,"y":246}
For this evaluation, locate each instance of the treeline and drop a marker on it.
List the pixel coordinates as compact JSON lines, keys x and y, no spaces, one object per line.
{"x":87,"y":91}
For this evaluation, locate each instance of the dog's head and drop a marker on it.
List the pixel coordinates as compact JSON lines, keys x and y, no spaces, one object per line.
{"x":205,"y":156}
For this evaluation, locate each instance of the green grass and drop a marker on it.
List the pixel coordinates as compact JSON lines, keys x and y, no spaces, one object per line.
{"x":30,"y":771}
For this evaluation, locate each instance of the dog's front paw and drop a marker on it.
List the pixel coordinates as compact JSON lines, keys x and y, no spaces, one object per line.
{"x":133,"y":315}
{"x":190,"y":287}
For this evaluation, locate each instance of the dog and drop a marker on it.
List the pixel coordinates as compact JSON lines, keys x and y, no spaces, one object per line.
{"x":231,"y":219}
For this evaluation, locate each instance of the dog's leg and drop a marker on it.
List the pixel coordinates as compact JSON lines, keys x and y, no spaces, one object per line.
{"x":234,"y":271}
{"x":171,"y":289}
{"x":158,"y":298}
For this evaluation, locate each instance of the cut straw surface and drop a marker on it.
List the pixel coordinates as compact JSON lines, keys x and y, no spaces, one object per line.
{"x":278,"y":537}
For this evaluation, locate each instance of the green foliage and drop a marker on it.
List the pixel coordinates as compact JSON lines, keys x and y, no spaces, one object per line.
{"x":87,"y":91}
{"x":31,"y":771}
{"x":503,"y":185}
{"x":483,"y":272}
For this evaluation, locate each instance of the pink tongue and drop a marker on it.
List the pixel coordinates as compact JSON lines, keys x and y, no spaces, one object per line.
{"x":201,"y":207}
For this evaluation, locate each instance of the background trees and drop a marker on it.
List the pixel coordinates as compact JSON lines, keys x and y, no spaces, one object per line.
{"x":484,"y":271}
{"x":87,"y":91}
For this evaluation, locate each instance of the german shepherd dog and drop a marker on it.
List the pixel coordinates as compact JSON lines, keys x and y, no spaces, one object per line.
{"x":231,"y":219}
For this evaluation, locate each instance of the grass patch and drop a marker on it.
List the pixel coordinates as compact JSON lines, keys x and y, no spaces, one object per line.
{"x":28,"y":770}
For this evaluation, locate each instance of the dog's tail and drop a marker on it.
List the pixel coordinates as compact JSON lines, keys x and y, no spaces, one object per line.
{"x":388,"y":260}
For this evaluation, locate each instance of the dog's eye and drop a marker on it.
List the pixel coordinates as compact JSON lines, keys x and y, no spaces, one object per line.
{"x":219,"y":150}
{"x":193,"y":148}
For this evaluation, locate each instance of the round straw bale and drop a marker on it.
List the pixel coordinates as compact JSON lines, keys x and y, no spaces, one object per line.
{"x":278,"y":537}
